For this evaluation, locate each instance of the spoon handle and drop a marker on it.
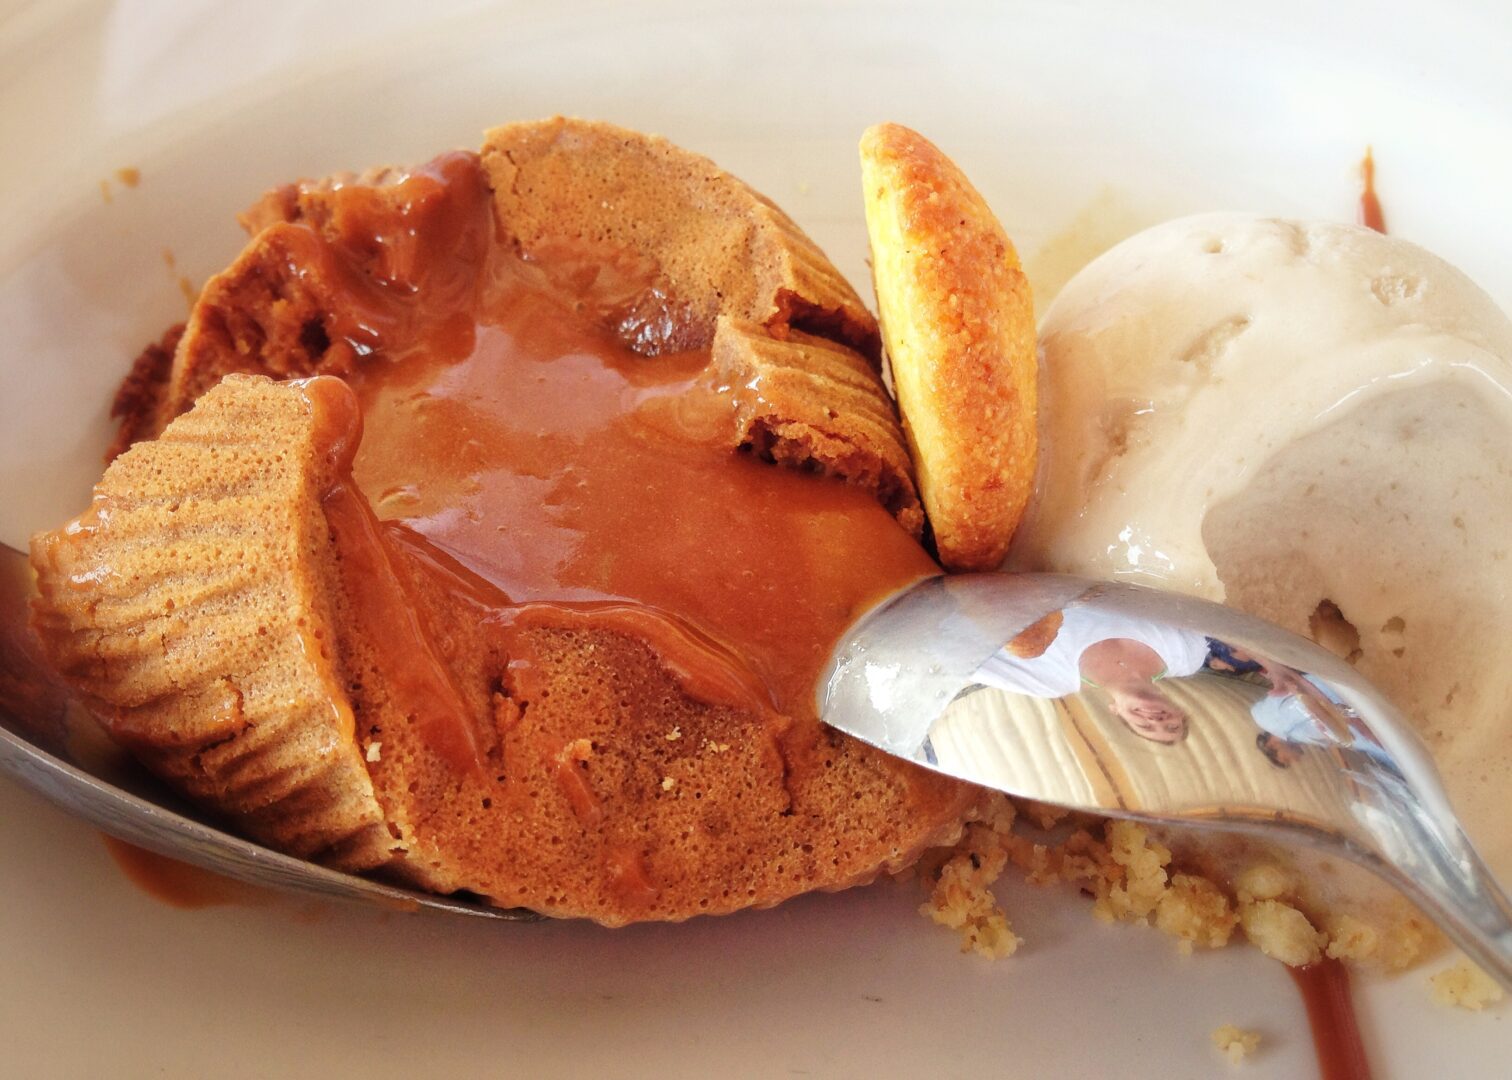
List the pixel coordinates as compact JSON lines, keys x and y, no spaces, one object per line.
{"x":145,"y":824}
{"x":1439,"y":869}
{"x":1411,"y":836}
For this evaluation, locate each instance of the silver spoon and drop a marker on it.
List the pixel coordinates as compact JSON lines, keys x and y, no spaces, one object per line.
{"x":48,"y":743}
{"x":1132,"y":702}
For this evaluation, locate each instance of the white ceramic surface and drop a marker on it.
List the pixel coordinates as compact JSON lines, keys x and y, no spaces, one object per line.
{"x":1094,"y":109}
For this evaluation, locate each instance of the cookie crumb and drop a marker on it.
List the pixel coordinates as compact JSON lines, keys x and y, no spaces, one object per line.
{"x":961,"y":895}
{"x":1465,"y":986}
{"x":1281,"y":932}
{"x":1235,"y":1044}
{"x":668,"y":783}
{"x":1262,"y":881}
{"x":374,"y":751}
{"x":673,"y":735}
{"x":1133,"y":877}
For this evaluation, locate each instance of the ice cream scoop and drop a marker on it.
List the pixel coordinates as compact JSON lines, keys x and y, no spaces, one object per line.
{"x":1311,"y":423}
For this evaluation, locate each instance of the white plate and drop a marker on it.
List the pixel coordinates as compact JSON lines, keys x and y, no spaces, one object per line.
{"x":1051,"y":108}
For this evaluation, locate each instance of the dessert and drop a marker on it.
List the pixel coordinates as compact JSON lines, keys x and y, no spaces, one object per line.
{"x":1232,"y":404}
{"x":488,"y":524}
{"x":519,"y":581}
{"x":958,"y":319}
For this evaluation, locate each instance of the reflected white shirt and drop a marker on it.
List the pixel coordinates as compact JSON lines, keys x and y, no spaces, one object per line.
{"x":1056,"y":672}
{"x":1288,"y":717}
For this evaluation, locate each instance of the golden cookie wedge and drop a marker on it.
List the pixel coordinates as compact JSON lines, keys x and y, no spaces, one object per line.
{"x":958,"y":324}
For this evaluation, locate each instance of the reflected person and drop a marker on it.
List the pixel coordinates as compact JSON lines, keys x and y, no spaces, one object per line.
{"x":1123,"y":656}
{"x":1301,"y":710}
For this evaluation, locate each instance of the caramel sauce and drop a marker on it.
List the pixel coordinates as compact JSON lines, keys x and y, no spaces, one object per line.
{"x":1330,"y":1014}
{"x":176,"y":883}
{"x":421,"y":682}
{"x":569,"y":774}
{"x":1371,"y":215}
{"x":627,"y":876}
{"x":520,"y":456}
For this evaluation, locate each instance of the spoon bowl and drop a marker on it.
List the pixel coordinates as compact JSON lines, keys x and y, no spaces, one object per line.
{"x":1126,"y":701}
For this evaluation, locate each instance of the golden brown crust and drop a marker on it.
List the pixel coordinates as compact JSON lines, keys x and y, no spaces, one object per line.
{"x":193,"y":604}
{"x":958,"y":321}
{"x":806,"y":402}
{"x":714,"y":245}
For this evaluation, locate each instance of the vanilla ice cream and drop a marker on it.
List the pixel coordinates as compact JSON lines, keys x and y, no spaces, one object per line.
{"x":1313,"y":423}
